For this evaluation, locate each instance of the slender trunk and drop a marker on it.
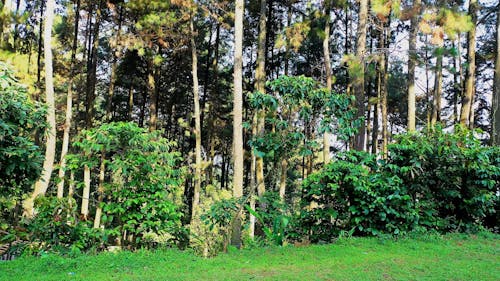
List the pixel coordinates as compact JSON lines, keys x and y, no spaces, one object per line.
{"x":427,"y":87}
{"x":383,"y":91}
{"x":253,"y":182}
{"x":40,"y":48}
{"x":456,"y":87}
{"x":91,"y":86}
{"x":69,"y":106}
{"x":288,"y":24}
{"x":153,"y":94}
{"x":112,"y":79}
{"x":50,"y":150}
{"x":16,"y":25}
{"x":260,"y":80}
{"x":359,"y":79}
{"x":100,"y":191}
{"x":130,"y":102}
{"x":92,"y":71}
{"x":283,"y":177}
{"x":471,"y":68}
{"x":237,"y":118}
{"x":375,"y":128}
{"x":412,"y":56}
{"x":197,"y":122}
{"x":495,"y":109}
{"x":328,"y":74}
{"x":438,"y":85}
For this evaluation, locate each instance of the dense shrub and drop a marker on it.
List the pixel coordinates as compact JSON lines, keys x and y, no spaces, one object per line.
{"x":20,"y":158}
{"x":439,"y":181}
{"x":57,"y":228}
{"x":141,"y":188}
{"x":351,"y":193}
{"x":453,"y":178}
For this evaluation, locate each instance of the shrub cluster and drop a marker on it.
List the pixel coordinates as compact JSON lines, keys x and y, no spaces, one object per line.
{"x":437,"y":181}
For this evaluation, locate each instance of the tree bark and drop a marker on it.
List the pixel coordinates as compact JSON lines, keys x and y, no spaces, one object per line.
{"x":328,"y":74}
{"x":112,"y":78}
{"x":69,"y":105}
{"x":260,"y":80}
{"x":359,"y":79}
{"x":438,"y":87}
{"x":471,"y":68}
{"x":237,"y":119}
{"x":197,"y":120}
{"x":495,"y":110}
{"x":412,"y":55}
{"x":153,"y":94}
{"x":384,"y":42}
{"x":50,"y":150}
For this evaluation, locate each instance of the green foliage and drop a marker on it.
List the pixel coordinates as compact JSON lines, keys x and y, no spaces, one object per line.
{"x":296,"y":103}
{"x":142,"y":183}
{"x":453,"y":177}
{"x":210,"y":228}
{"x":273,"y":216}
{"x":441,"y":181}
{"x":352,"y":193}
{"x":56,"y":228}
{"x":20,"y":159}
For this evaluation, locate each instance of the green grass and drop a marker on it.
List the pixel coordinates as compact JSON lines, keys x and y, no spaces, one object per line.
{"x":451,"y":257}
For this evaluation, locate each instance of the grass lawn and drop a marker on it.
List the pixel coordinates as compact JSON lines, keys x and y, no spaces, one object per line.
{"x":451,"y":257}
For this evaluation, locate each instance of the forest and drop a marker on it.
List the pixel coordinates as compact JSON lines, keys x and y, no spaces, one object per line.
{"x":210,"y":125}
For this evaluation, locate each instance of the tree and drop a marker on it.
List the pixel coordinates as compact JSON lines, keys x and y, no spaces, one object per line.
{"x":359,"y":78}
{"x":495,"y":108}
{"x":50,"y":150}
{"x":197,"y":117}
{"x":328,"y":74}
{"x":69,"y":105}
{"x":412,"y":55}
{"x":260,"y":80}
{"x":237,"y":118}
{"x":467,"y":101}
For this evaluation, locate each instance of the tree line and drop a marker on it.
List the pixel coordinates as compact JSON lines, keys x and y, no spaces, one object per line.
{"x":256,"y":95}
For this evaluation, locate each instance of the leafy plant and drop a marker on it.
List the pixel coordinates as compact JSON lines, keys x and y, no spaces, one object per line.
{"x":20,"y":158}
{"x":143,"y":179}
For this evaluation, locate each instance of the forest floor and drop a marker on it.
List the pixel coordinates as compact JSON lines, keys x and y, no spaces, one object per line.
{"x":449,"y":257}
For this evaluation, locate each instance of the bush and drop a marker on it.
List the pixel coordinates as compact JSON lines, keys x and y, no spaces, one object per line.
{"x":20,"y":158}
{"x":56,"y":228}
{"x":452,"y":177}
{"x":441,"y":181}
{"x":351,"y":193}
{"x":142,"y":181}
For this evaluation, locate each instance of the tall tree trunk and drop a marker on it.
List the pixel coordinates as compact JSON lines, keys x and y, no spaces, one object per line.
{"x":495,"y":108}
{"x":91,"y":87}
{"x":359,"y":79}
{"x":384,"y":39}
{"x":69,"y":105}
{"x":197,"y":120}
{"x":260,"y":81}
{"x":130,"y":102}
{"x":438,"y":87}
{"x":328,"y":74}
{"x":238,"y":118}
{"x":100,"y":190}
{"x":50,"y":150}
{"x":112,"y":78}
{"x":471,"y":68}
{"x":92,"y":71}
{"x":39,"y":54}
{"x":153,"y":94}
{"x":412,"y":56}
